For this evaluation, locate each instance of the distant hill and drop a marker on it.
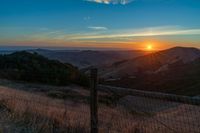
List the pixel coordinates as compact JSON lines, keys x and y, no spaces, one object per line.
{"x":176,"y":70}
{"x":151,"y":63}
{"x":87,"y":58}
{"x":2,"y":52}
{"x":182,"y":79}
{"x":32,"y":67}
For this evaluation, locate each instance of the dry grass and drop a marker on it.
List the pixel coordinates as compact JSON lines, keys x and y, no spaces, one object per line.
{"x":36,"y":113}
{"x":164,"y":116}
{"x":43,"y":114}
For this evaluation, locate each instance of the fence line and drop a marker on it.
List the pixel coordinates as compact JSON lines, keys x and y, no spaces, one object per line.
{"x":155,"y":95}
{"x":160,"y":112}
{"x":181,"y":118}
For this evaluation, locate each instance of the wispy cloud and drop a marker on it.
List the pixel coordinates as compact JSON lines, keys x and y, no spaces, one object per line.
{"x":122,"y":2}
{"x":107,"y":36}
{"x":145,"y":32}
{"x":97,"y":28}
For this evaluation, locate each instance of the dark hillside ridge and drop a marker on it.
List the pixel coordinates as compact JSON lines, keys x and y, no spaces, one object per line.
{"x":175,"y":71}
{"x":151,"y":63}
{"x":32,"y":67}
{"x":180,"y":78}
{"x":87,"y":58}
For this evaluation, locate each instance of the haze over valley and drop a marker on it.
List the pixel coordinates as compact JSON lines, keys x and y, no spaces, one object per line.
{"x":161,"y":71}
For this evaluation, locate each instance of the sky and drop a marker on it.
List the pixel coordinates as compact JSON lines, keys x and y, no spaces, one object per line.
{"x":123,"y":24}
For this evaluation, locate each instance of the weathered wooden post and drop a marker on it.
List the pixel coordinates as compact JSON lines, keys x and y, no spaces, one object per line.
{"x":93,"y":100}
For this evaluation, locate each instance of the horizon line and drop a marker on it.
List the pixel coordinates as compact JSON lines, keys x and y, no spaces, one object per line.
{"x":14,"y":48}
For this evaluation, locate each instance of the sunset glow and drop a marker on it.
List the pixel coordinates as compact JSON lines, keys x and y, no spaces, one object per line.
{"x":149,"y":47}
{"x":73,"y":25}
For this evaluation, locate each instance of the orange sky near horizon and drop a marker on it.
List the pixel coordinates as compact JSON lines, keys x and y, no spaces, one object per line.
{"x":143,"y":45}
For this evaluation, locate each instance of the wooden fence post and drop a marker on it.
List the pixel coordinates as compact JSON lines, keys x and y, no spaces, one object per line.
{"x":93,"y":100}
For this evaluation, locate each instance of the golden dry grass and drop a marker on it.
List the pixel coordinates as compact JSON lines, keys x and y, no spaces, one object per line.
{"x":49,"y":115}
{"x":40,"y":114}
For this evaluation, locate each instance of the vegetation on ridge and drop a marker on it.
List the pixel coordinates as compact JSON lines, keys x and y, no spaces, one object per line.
{"x":32,"y":67}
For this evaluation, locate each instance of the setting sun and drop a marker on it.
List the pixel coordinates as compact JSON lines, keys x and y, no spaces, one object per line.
{"x":149,"y":47}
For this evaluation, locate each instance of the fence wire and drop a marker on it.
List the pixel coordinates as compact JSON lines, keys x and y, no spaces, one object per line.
{"x":159,"y":112}
{"x":151,"y":112}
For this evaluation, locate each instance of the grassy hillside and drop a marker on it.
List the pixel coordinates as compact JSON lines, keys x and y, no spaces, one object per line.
{"x":180,"y":78}
{"x":32,"y":67}
{"x":33,"y":112}
{"x":153,"y":62}
{"x":175,"y":70}
{"x":29,"y":112}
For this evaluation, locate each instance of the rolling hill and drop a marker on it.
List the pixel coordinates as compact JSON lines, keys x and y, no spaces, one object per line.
{"x":151,"y":63}
{"x":176,"y":70}
{"x":84,"y":58}
{"x":32,"y":67}
{"x":87,"y":58}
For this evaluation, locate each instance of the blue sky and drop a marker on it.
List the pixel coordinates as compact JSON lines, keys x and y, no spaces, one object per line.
{"x":100,"y":23}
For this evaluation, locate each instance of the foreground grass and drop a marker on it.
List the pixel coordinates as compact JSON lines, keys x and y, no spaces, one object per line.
{"x":30,"y":108}
{"x":34,"y":113}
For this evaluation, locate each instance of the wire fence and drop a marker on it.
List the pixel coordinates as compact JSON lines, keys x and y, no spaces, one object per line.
{"x":146,"y":112}
{"x":158,"y":112}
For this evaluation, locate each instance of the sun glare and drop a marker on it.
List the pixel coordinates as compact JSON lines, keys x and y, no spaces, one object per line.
{"x":149,"y":47}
